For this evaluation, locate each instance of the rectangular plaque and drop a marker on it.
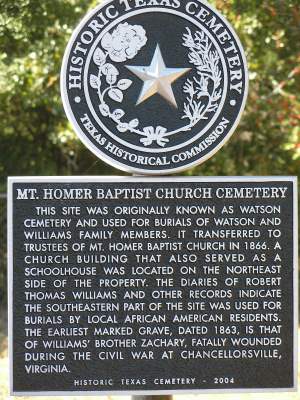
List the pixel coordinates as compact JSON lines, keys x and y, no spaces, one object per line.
{"x":151,"y":285}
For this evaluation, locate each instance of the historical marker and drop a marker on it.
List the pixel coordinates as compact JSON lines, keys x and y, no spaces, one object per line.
{"x":148,"y":285}
{"x":154,"y":86}
{"x":152,"y":285}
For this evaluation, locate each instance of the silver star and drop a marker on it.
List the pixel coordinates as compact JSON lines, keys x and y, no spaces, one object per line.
{"x":157,"y":78}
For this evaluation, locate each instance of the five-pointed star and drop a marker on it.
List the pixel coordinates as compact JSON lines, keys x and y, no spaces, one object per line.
{"x":157,"y":78}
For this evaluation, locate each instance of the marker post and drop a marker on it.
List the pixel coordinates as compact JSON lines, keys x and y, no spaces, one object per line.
{"x":162,"y":397}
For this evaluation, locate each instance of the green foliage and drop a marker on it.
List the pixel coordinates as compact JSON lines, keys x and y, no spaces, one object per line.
{"x":267,"y":141}
{"x":35,"y":135}
{"x":36,"y":138}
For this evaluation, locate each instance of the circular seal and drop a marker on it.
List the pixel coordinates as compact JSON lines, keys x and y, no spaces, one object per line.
{"x":154,"y":86}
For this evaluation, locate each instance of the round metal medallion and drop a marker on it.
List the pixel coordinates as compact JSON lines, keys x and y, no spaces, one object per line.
{"x":154,"y":86}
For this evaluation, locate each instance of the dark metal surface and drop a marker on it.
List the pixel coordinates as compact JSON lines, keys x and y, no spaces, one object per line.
{"x":166,"y":134}
{"x":239,"y":197}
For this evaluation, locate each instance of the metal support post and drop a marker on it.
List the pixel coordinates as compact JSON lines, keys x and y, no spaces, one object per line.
{"x":162,"y":397}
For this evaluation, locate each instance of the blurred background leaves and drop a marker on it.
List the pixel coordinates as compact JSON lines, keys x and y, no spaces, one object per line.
{"x":36,"y":138}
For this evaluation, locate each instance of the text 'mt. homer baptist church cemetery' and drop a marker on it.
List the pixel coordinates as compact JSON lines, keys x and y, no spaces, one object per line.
{"x":153,"y":284}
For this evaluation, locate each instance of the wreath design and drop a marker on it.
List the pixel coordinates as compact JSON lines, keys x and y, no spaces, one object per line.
{"x":203,"y":93}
